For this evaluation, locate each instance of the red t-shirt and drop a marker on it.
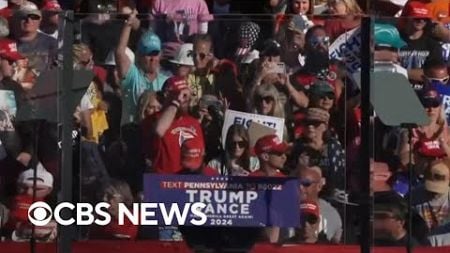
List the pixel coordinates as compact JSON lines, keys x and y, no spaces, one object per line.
{"x":127,"y":231}
{"x":261,"y":173}
{"x":428,"y":147}
{"x":166,"y":151}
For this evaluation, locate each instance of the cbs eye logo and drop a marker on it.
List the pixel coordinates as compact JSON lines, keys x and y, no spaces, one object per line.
{"x":40,"y":213}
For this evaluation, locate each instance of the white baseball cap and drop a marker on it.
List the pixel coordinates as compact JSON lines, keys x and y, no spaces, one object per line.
{"x":44,"y":177}
{"x":184,"y":55}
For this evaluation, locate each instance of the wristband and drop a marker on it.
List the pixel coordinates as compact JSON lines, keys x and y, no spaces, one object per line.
{"x":175,"y":103}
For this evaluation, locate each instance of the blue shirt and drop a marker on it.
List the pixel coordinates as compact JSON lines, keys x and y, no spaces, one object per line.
{"x":134,"y":84}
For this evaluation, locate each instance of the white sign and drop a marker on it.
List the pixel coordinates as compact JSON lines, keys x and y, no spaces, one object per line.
{"x":243,"y":118}
{"x":347,"y":48}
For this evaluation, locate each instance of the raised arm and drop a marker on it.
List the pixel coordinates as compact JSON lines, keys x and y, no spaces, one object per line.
{"x":170,"y":112}
{"x":122,"y":61}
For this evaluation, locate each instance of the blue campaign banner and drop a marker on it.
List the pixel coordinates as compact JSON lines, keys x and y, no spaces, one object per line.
{"x":230,"y":201}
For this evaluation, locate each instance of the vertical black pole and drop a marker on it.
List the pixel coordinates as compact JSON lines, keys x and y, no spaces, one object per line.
{"x":365,"y":203}
{"x":66,"y":233}
{"x":411,"y":178}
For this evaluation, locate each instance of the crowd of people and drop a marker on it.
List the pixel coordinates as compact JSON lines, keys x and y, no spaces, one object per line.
{"x":167,"y":71}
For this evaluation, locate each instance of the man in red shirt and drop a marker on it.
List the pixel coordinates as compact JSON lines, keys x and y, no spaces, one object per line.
{"x":173,"y":127}
{"x":271,"y":152}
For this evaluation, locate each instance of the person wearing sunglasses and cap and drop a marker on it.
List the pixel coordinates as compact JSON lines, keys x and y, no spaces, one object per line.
{"x":143,"y":75}
{"x":416,"y":33}
{"x":316,"y":135}
{"x":430,"y":142}
{"x":436,"y":75}
{"x":309,"y":230}
{"x":431,"y":200}
{"x":271,"y":152}
{"x":40,"y":49}
{"x":311,"y":185}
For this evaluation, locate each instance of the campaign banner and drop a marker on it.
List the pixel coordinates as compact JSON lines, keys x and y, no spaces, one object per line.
{"x":8,"y":110}
{"x":230,"y":201}
{"x":245,"y":119}
{"x":347,"y":48}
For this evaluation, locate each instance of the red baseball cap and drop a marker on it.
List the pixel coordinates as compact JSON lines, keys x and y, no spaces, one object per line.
{"x":310,"y":207}
{"x":416,"y":10}
{"x":270,"y":143}
{"x":8,"y":50}
{"x":51,"y":5}
{"x":175,"y":84}
{"x":192,"y":151}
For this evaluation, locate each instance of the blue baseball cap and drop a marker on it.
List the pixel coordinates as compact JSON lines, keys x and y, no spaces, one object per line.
{"x":388,"y":36}
{"x":149,"y":43}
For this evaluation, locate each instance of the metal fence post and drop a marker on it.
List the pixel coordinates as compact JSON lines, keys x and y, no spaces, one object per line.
{"x":366,"y":140}
{"x":66,"y":233}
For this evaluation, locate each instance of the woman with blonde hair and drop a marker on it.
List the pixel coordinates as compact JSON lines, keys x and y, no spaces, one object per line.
{"x":266,"y":101}
{"x":344,"y":7}
{"x":346,"y":15}
{"x":150,"y":103}
{"x":430,"y":142}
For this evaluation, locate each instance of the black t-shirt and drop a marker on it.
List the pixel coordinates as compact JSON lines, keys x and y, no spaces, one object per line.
{"x":413,"y":55}
{"x":103,"y":38}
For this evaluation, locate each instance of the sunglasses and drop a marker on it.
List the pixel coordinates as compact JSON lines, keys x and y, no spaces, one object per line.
{"x":152,"y":53}
{"x":266,"y":99}
{"x":311,"y":219}
{"x":239,"y":144}
{"x":431,"y":103}
{"x":307,"y":183}
{"x":32,"y":17}
{"x":313,"y":123}
{"x":320,"y":40}
{"x":330,"y":96}
{"x":276,"y":153}
{"x":440,"y":80}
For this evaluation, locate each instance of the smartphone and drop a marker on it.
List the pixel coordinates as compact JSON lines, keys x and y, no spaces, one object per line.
{"x":278,"y":68}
